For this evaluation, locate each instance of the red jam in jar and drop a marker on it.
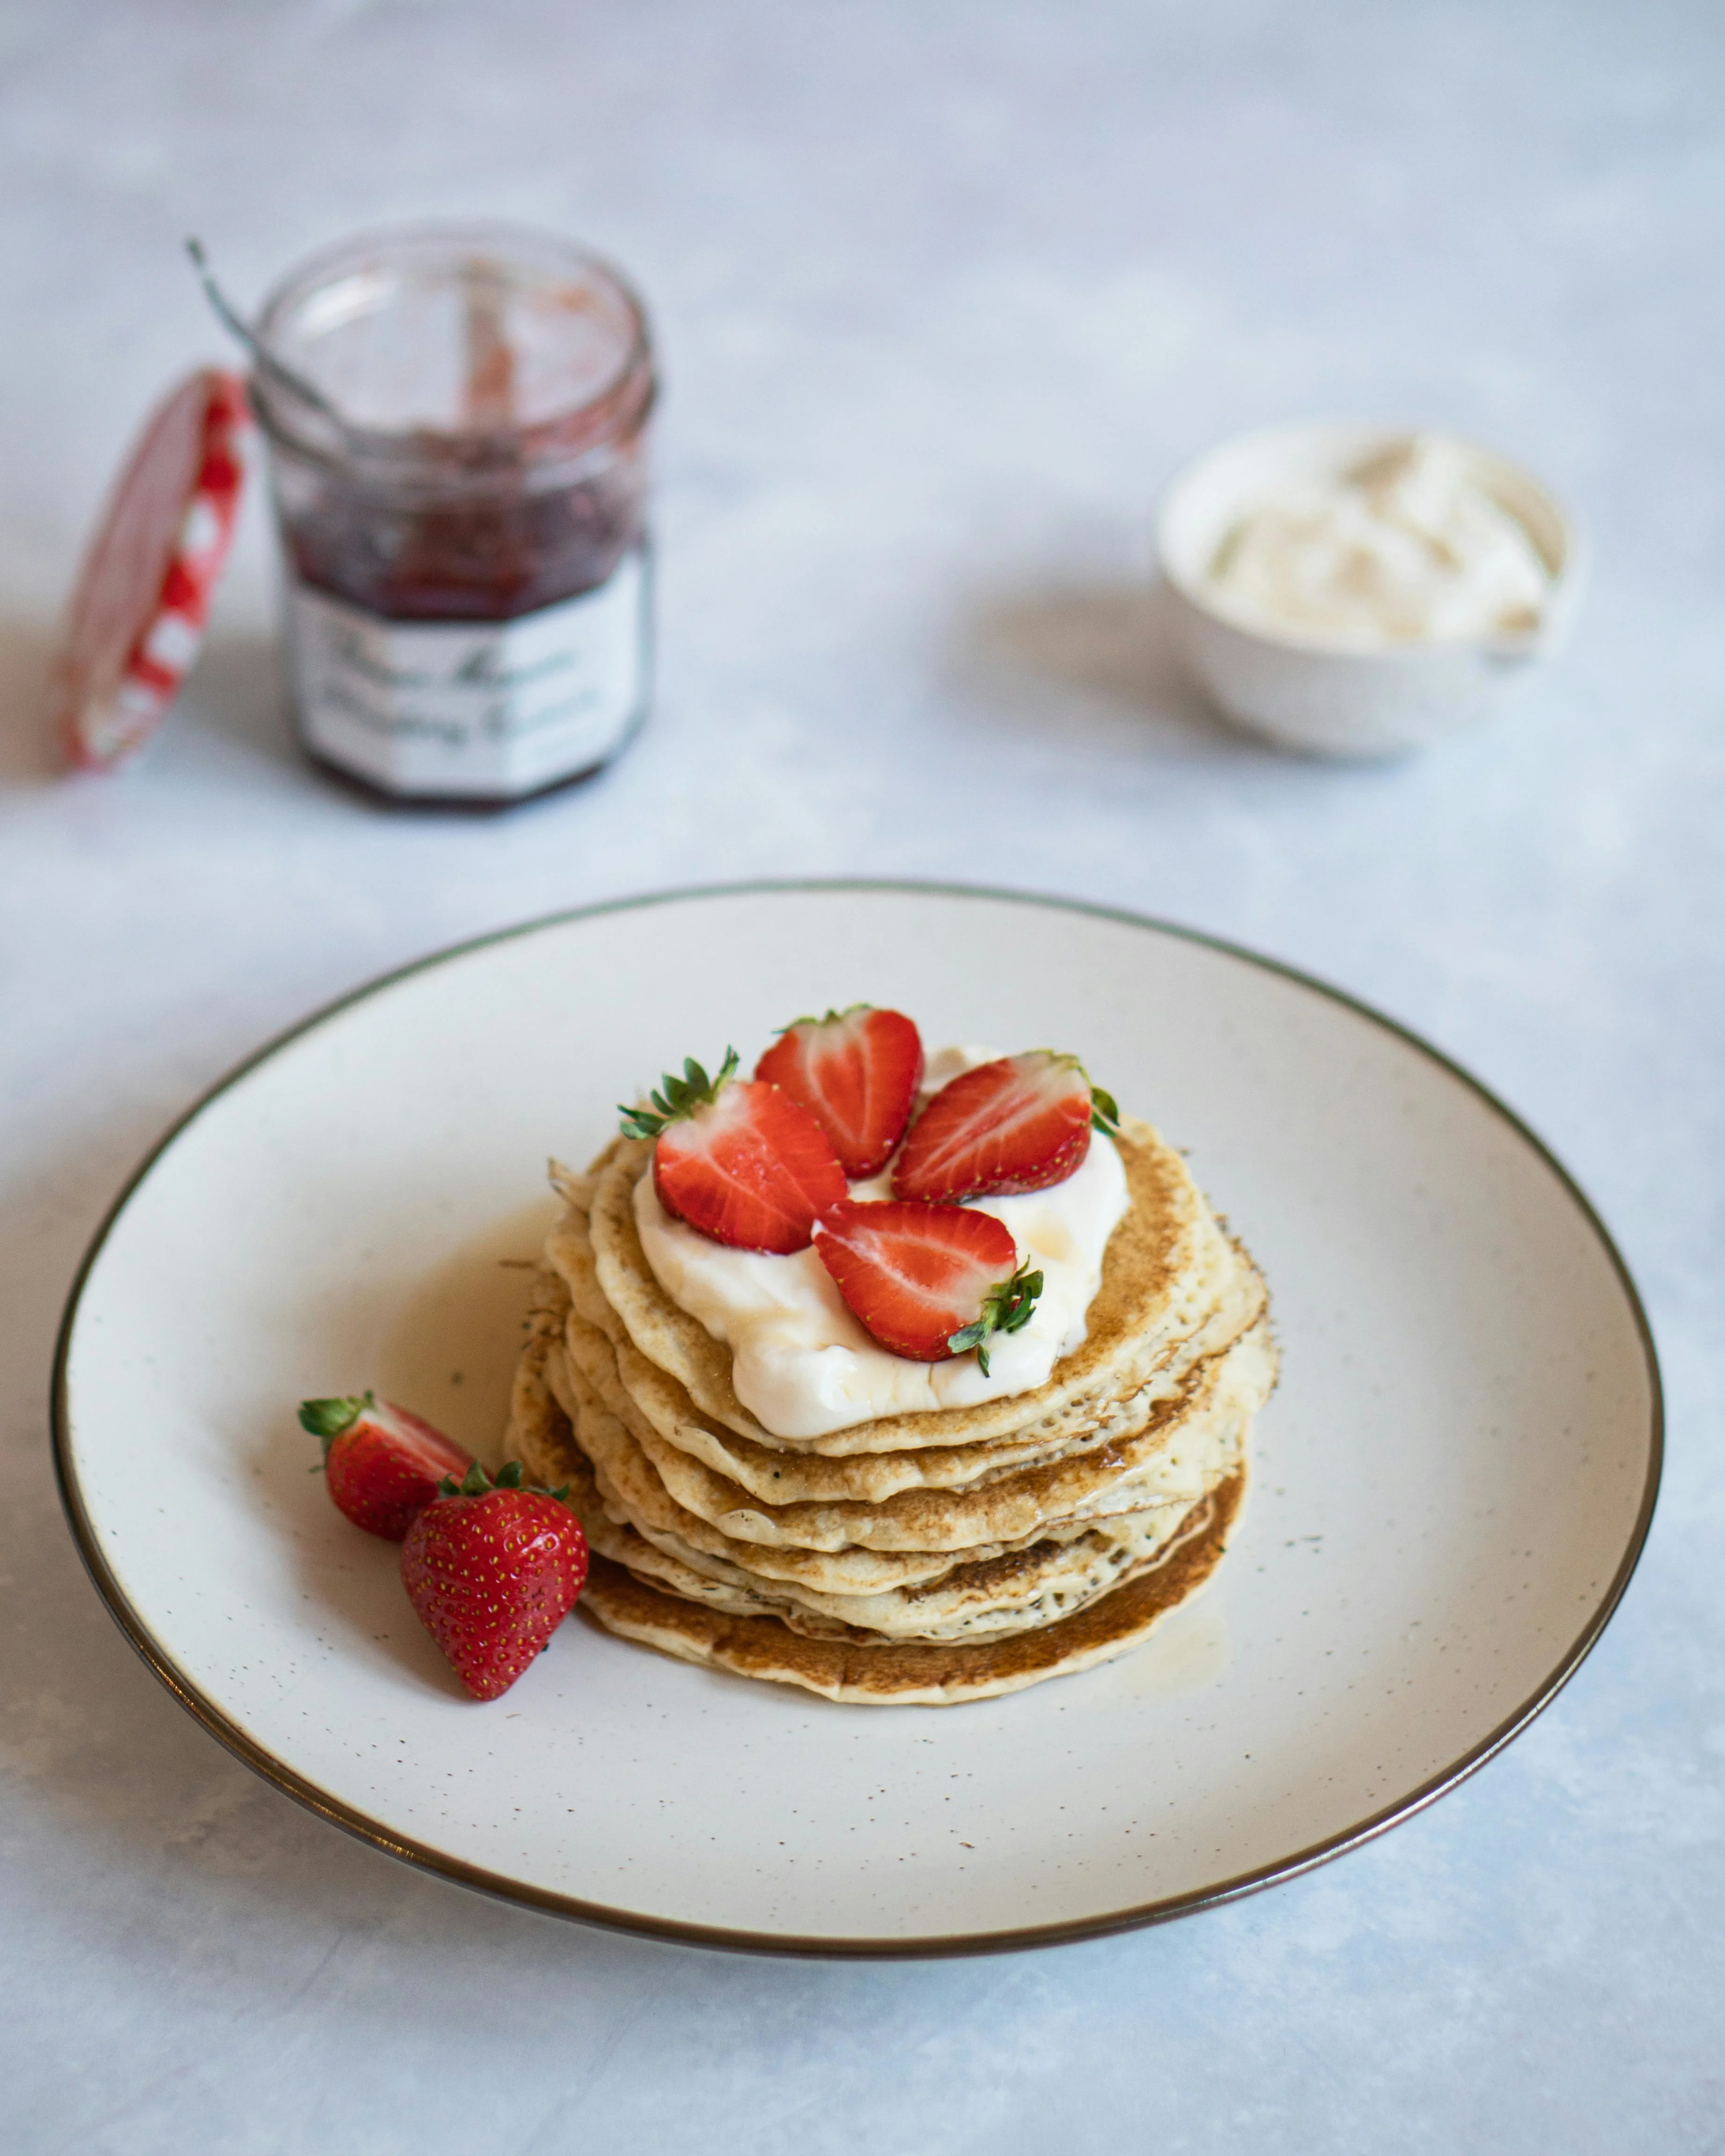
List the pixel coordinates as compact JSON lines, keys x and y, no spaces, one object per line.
{"x":463,"y":509}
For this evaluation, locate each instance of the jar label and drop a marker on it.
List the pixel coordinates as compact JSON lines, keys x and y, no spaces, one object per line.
{"x":473,"y":709}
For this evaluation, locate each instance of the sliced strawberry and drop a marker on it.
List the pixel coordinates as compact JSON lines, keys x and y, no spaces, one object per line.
{"x":856,"y":1071}
{"x":382,"y":1464}
{"x":1021,"y":1123}
{"x":741,"y":1161}
{"x":927,"y":1280}
{"x":492,"y":1568}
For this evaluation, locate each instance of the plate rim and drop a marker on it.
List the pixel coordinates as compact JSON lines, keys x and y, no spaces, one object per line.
{"x":730,"y":1938}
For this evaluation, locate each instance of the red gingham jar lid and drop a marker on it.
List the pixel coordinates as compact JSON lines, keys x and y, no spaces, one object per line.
{"x":142,"y":597}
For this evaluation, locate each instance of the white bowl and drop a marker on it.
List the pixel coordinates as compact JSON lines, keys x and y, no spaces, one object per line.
{"x":1324,"y":697}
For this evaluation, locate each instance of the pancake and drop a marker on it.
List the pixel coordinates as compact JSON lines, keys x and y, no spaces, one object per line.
{"x":973,"y":1602}
{"x":921,"y":1558}
{"x":631,"y":1486}
{"x":775,"y":1475}
{"x":932,"y":1675}
{"x":1166,"y":1262}
{"x":1170,"y":1456}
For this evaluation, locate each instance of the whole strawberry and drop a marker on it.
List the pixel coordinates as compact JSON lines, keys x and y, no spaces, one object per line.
{"x":492,"y":1568}
{"x":382,"y":1464}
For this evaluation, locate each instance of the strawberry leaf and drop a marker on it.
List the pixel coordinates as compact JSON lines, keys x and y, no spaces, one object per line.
{"x":511,"y":1475}
{"x":832,"y":1018}
{"x":326,"y":1419}
{"x":676,"y":1097}
{"x":1006,"y":1308}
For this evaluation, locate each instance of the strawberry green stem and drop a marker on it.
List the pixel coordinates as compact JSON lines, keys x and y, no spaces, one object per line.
{"x":326,"y":1419}
{"x":678,"y":1097}
{"x":1006,"y":1308}
{"x":511,"y":1475}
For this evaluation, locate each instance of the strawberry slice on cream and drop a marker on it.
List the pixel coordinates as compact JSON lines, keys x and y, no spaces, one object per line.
{"x":1019,"y":1122}
{"x":857,"y":1072}
{"x":927,"y":1280}
{"x":739,"y":1160}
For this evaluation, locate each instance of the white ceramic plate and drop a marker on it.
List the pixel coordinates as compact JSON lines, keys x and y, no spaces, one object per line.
{"x":1449,"y":1493}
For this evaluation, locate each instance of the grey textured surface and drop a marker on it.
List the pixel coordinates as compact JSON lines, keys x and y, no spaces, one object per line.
{"x":946,"y":293}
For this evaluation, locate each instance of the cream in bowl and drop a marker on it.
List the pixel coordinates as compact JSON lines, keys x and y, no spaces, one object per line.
{"x":1353,"y":590}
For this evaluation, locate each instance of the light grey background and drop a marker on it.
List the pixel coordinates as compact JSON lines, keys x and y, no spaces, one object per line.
{"x":945,"y":294}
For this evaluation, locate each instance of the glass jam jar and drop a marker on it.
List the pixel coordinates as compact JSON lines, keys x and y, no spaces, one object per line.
{"x":462,"y":501}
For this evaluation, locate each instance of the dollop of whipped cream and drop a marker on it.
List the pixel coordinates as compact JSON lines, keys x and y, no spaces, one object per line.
{"x":1406,"y":547}
{"x":802,"y":1364}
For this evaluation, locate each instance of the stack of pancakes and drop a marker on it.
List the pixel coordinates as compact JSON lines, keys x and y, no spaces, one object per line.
{"x":918,"y":1558}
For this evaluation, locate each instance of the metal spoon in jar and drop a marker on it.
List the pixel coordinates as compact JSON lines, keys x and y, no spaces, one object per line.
{"x":265,"y":360}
